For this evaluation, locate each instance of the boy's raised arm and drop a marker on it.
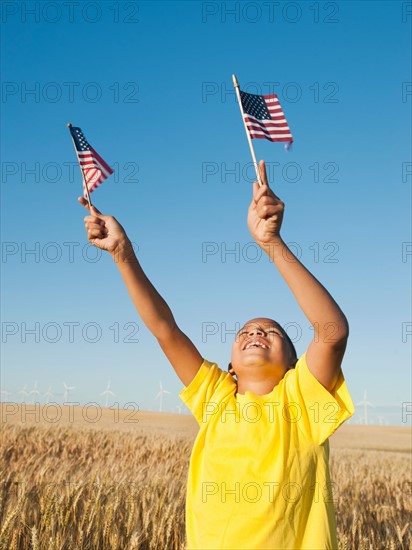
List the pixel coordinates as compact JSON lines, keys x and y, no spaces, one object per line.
{"x":106,"y":233}
{"x":325,"y":352}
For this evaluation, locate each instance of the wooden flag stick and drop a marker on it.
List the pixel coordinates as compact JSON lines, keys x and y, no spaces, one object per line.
{"x":81,"y":168}
{"x":236,"y":85}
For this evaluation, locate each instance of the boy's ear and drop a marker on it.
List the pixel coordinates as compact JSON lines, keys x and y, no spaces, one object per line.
{"x":230,"y":369}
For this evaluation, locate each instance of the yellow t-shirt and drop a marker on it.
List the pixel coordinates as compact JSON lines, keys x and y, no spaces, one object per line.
{"x":259,"y":473}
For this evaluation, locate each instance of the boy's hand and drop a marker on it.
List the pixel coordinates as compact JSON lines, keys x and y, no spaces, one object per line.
{"x":104,"y":232}
{"x":265,"y":211}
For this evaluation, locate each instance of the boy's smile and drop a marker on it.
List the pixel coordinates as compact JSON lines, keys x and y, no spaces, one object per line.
{"x":255,"y":343}
{"x":259,"y":334}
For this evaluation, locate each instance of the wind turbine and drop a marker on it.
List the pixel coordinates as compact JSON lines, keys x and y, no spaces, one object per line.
{"x":34,"y":392}
{"x":382,"y":420}
{"x":160,"y":394}
{"x":24,"y":393}
{"x":67,"y":390}
{"x":108,"y":392}
{"x":179,"y":409}
{"x":48,"y":394}
{"x":365,"y":404}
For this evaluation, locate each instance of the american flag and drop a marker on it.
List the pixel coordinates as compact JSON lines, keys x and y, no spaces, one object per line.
{"x":94,"y":168}
{"x":264,"y":117}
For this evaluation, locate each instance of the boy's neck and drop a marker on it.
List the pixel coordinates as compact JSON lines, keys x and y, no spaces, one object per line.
{"x":258,"y":387}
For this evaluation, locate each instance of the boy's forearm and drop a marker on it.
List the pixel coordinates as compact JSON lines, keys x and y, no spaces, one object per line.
{"x":326,"y":317}
{"x":152,"y":308}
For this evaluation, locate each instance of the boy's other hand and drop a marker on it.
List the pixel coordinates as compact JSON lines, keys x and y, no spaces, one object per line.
{"x":104,"y":232}
{"x":265,"y":211}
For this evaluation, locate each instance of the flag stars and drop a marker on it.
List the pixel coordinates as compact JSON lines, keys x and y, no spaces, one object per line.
{"x":255,"y":106}
{"x":80,"y":140}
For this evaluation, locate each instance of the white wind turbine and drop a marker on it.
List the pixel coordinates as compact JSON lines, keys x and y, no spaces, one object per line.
{"x":365,"y":404}
{"x":160,"y":395}
{"x":67,"y":390}
{"x":24,"y":393}
{"x":34,"y":392}
{"x":108,"y":392}
{"x":382,"y":420}
{"x":49,"y":394}
{"x":179,"y":409}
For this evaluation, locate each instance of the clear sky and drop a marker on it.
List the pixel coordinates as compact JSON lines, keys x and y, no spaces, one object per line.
{"x":150,"y":85}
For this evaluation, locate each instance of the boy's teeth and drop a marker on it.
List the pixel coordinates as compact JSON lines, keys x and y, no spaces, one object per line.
{"x":256,"y":344}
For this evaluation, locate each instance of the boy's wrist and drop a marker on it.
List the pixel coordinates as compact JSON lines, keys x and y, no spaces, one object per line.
{"x":124,"y":252}
{"x":273,"y":247}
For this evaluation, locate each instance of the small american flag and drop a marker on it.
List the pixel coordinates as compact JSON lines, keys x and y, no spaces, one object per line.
{"x":94,"y":168}
{"x":264,"y":118}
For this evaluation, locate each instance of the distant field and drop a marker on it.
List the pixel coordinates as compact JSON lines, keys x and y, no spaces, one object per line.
{"x":349,"y":436}
{"x":73,"y":479}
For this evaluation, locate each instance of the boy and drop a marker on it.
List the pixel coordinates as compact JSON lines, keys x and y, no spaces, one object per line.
{"x":259,"y":474}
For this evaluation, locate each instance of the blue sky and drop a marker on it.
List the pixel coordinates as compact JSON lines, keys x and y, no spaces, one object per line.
{"x":150,"y":85}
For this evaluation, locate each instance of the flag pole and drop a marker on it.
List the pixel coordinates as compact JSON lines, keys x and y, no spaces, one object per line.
{"x":236,"y":85}
{"x":81,"y":168}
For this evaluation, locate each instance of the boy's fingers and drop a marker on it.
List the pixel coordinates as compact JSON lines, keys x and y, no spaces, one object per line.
{"x":261,"y":191}
{"x":91,"y":220}
{"x":94,"y":209}
{"x":84,"y":202}
{"x":264,"y":179}
{"x":262,"y":172}
{"x":94,"y":236}
{"x":256,"y":188}
{"x":268,"y":210}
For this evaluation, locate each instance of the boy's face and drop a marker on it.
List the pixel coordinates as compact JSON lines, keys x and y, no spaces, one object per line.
{"x":261,"y":349}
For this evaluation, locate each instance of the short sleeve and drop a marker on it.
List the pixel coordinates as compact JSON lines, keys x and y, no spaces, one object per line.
{"x":318,"y":412}
{"x":208,"y":388}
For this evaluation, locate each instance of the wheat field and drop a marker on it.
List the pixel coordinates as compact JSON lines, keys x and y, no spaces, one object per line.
{"x":69,"y":487}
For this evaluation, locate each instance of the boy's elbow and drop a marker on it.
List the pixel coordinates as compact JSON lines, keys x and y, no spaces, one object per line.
{"x":335,"y":334}
{"x":342,"y":334}
{"x":345,"y":328}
